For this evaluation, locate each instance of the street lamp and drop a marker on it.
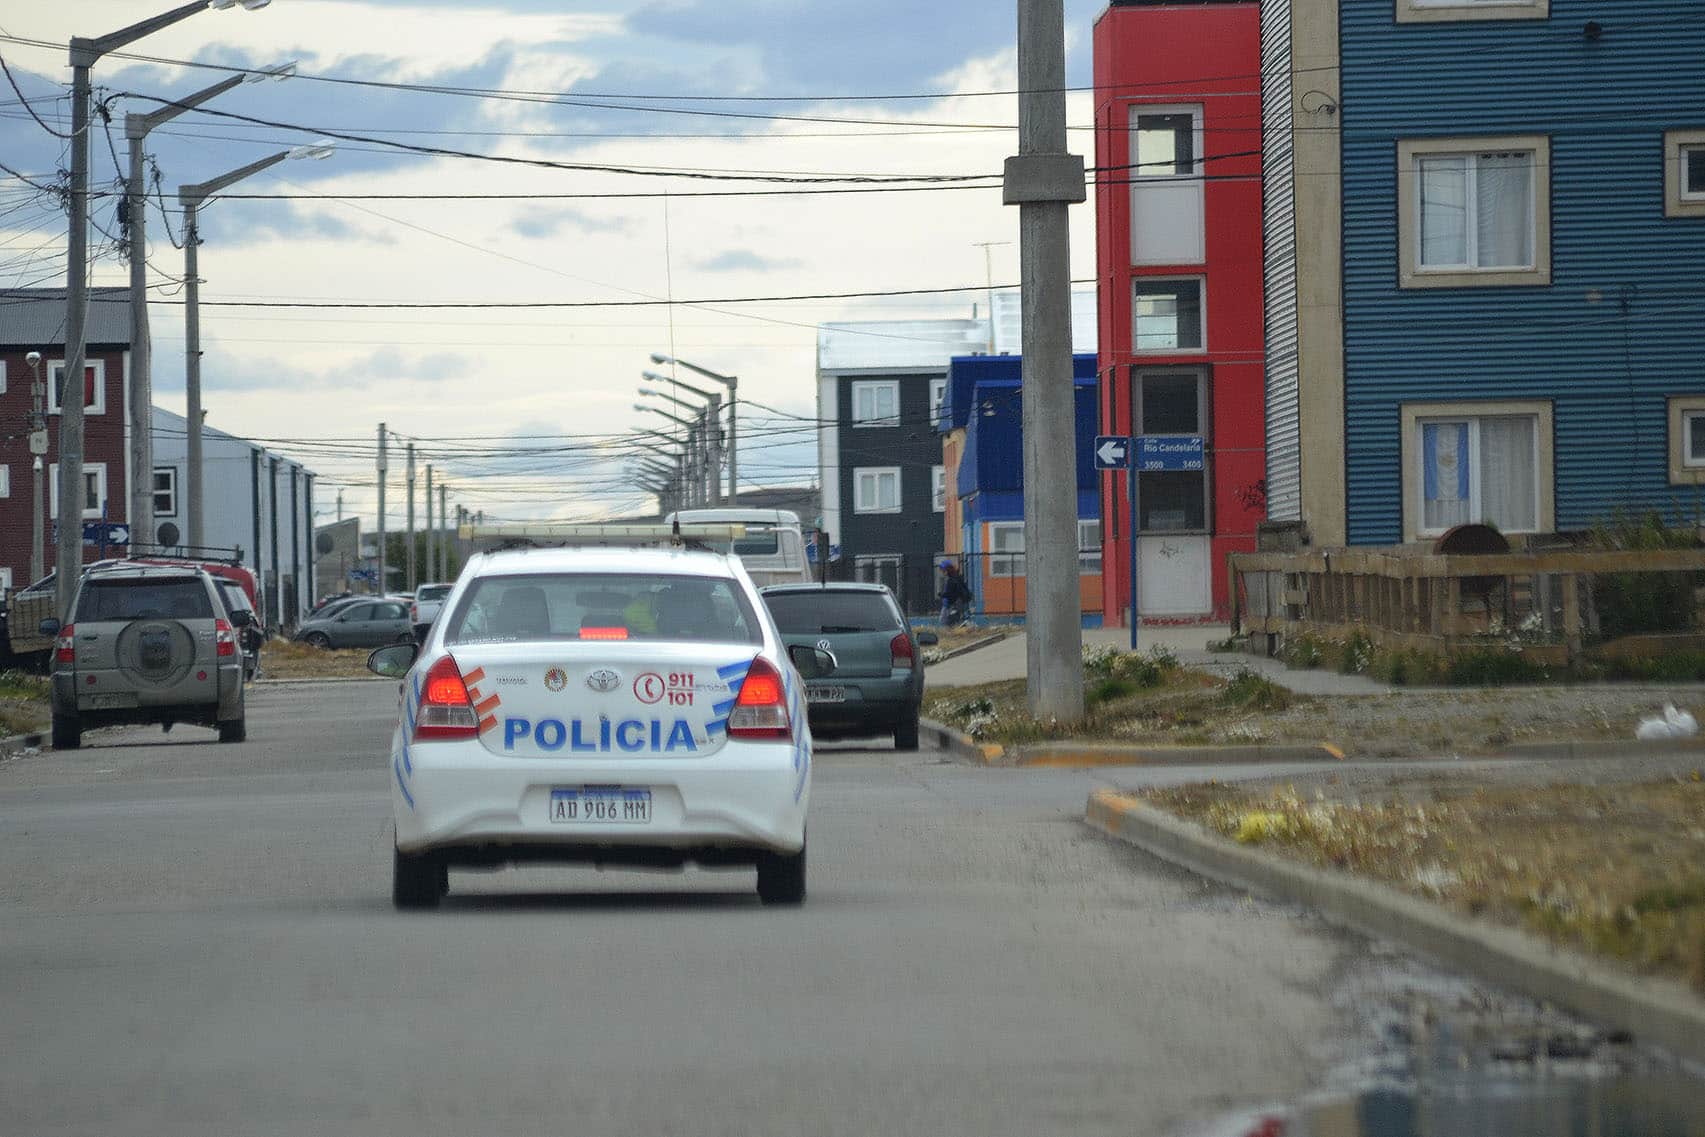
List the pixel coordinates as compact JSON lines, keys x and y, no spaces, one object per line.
{"x":648,"y":393}
{"x":83,"y":56}
{"x":713,"y":433}
{"x":141,"y":392}
{"x":692,"y":460}
{"x":732,"y":382}
{"x":191,"y":197}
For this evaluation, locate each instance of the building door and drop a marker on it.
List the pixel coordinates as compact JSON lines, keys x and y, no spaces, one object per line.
{"x":1174,"y":479}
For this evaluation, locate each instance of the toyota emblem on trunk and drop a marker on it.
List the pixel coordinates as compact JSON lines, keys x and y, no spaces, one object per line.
{"x":603,"y":680}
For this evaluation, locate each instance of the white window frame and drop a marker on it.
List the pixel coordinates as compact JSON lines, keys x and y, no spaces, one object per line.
{"x":1008,"y":562}
{"x":1089,"y":546}
{"x":1201,"y":283}
{"x":1448,"y":11}
{"x":1411,"y":274}
{"x":5,"y":580}
{"x":97,"y":470}
{"x":938,"y":488}
{"x":1677,"y":201}
{"x":98,"y":407}
{"x":5,"y":480}
{"x":1416,"y":415}
{"x":1140,"y":177}
{"x":864,"y":504}
{"x":155,"y":493}
{"x":2,"y":376}
{"x":937,"y":394}
{"x":1685,"y":467}
{"x":875,"y":387}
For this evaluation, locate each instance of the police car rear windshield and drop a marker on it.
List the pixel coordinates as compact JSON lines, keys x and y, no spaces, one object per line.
{"x":134,"y":599}
{"x":815,"y":612}
{"x":603,"y":606}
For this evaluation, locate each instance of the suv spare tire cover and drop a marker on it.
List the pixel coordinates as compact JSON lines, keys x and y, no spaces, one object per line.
{"x":158,"y":652}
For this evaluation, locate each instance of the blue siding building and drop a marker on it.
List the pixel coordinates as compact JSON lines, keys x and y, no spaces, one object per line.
{"x":1491,"y":296}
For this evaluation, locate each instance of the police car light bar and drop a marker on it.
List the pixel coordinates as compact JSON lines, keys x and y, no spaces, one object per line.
{"x":599,"y":533}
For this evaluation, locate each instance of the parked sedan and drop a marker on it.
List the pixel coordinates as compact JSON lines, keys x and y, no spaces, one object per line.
{"x":878,"y":682}
{"x":367,"y":623}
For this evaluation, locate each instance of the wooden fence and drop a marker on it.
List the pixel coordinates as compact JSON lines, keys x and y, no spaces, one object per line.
{"x":1540,"y":601}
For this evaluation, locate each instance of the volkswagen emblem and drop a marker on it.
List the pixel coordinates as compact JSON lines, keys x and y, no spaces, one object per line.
{"x":603,"y":680}
{"x":822,"y":645}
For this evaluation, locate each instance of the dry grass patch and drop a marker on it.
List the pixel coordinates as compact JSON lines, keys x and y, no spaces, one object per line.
{"x":282,"y":659}
{"x":1618,"y":871}
{"x":23,"y":702}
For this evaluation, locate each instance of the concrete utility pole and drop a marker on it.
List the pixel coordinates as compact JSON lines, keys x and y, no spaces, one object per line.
{"x":444,"y":544}
{"x":431,"y":568}
{"x":1043,"y":181}
{"x":989,"y":276}
{"x":381,"y":470}
{"x":408,"y":552}
{"x":38,"y":448}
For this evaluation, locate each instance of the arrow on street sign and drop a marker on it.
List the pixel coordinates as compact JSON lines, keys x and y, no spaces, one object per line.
{"x":1112,"y":452}
{"x":105,"y":533}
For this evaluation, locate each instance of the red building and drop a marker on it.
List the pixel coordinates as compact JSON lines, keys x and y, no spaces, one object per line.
{"x":33,"y":320}
{"x":1179,"y":277}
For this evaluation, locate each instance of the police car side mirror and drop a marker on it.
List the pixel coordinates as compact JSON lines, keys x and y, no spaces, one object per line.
{"x":928,"y":639}
{"x":393,"y":662}
{"x":241,"y":619}
{"x":812,"y":662}
{"x":49,"y":627}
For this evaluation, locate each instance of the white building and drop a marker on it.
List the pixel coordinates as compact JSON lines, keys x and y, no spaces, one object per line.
{"x":258,"y":503}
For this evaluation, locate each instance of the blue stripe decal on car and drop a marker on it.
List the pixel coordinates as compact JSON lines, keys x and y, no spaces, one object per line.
{"x":723,"y":707}
{"x":734,"y":669}
{"x":407,"y":765}
{"x":715,"y":725}
{"x":408,"y":797}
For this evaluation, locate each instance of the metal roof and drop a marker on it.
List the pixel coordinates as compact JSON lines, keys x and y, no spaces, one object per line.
{"x":35,"y":318}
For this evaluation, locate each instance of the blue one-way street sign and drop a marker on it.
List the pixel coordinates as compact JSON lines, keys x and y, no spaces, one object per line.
{"x":1112,"y":452}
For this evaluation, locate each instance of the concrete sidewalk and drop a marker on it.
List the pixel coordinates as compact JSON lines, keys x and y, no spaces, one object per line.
{"x":1007,"y":660}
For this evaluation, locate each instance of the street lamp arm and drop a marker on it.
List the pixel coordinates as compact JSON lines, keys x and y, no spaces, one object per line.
{"x":138,"y":125}
{"x":194,"y":195}
{"x":665,"y":414}
{"x":729,"y":381}
{"x":85,"y":51}
{"x":647,"y":392}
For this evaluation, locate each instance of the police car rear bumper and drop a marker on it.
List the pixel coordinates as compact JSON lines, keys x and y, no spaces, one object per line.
{"x":461,"y":799}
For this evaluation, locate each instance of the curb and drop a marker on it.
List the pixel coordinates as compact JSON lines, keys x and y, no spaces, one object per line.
{"x":959,"y":744}
{"x":1069,"y":754}
{"x":1658,"y":1011}
{"x":325,"y":679}
{"x":1601,"y":749}
{"x":36,"y":738}
{"x":964,"y":649}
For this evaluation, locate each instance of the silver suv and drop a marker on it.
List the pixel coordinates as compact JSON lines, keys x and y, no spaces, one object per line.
{"x":146,"y":644}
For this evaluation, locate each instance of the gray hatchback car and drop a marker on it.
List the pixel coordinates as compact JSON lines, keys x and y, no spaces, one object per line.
{"x":146,"y":644}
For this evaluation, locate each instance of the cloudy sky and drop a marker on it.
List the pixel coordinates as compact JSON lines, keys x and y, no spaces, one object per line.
{"x":637,"y":109}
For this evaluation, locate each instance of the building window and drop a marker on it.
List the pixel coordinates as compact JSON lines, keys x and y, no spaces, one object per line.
{"x":1486,"y":463}
{"x":1475,"y":212}
{"x":937,"y":396}
{"x":94,"y":490}
{"x":94,"y":386}
{"x":1166,"y":185}
{"x":1171,"y":404}
{"x":1684,"y":173}
{"x":1088,"y":547}
{"x":876,"y":403}
{"x":5,"y":580}
{"x":1006,"y":548}
{"x":1687,"y":440}
{"x":938,"y":488}
{"x":1167,"y":315}
{"x":165,"y":491}
{"x":1443,"y":11}
{"x":876,"y":489}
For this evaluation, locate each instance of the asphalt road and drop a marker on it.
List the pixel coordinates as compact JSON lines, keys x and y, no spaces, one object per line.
{"x":198,"y":939}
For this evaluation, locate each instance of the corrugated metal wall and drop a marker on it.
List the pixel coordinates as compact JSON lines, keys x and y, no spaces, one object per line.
{"x":1617,"y":330}
{"x":1278,"y":225}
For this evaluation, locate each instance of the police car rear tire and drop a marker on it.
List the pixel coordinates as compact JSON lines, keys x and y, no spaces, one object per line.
{"x":418,"y":880}
{"x":781,"y":878}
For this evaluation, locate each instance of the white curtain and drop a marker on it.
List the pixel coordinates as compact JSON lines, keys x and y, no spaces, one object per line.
{"x":1504,"y":210}
{"x":1508,"y":477}
{"x":1444,"y":211}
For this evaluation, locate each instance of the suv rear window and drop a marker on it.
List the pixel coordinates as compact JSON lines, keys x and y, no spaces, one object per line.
{"x":815,"y":613}
{"x":236,"y":600}
{"x":432,"y":592}
{"x":604,"y":606}
{"x":144,"y":599}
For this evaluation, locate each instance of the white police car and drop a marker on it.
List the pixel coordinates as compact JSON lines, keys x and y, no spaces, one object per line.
{"x":607,"y":706}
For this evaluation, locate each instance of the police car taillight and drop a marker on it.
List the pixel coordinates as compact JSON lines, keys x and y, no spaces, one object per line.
{"x":65,"y":648}
{"x":224,"y":639}
{"x":445,"y":711}
{"x":760,"y":711}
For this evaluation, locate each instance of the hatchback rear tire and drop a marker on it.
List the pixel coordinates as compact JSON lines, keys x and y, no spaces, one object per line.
{"x":418,"y":880}
{"x":67,"y":734}
{"x":906,"y":734}
{"x":781,"y":878}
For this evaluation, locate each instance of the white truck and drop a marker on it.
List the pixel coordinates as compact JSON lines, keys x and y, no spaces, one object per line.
{"x":772,"y":547}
